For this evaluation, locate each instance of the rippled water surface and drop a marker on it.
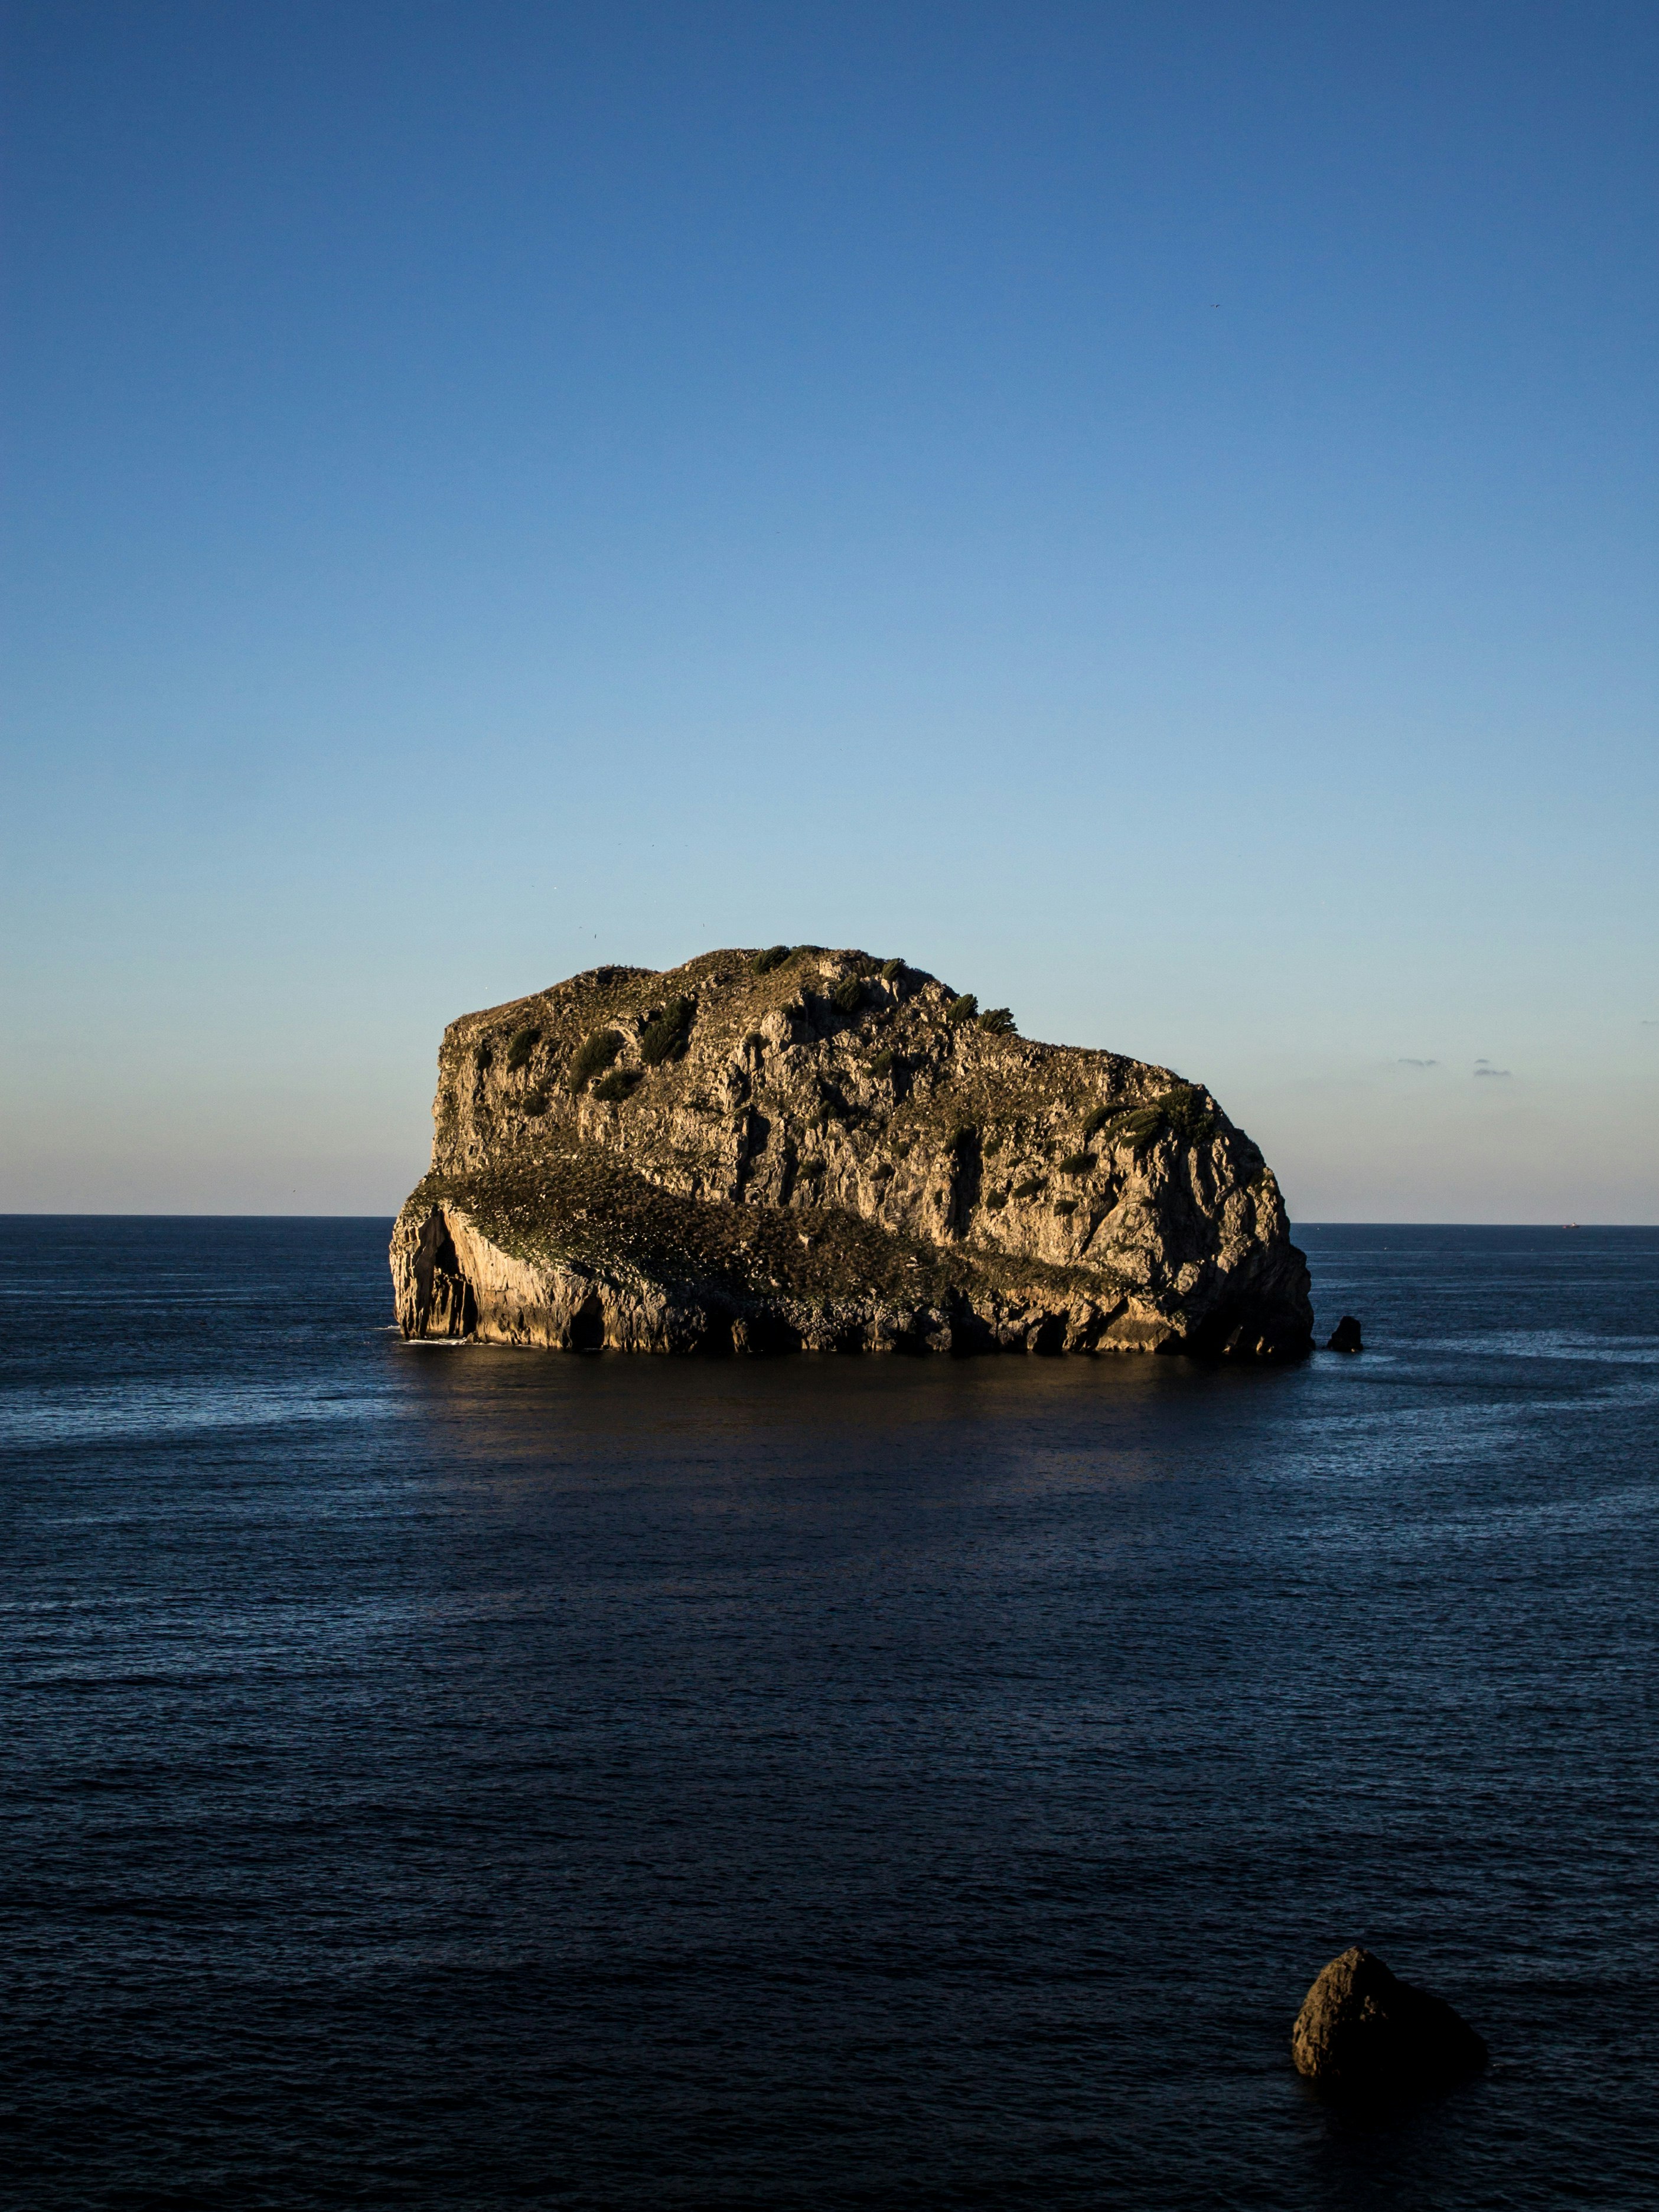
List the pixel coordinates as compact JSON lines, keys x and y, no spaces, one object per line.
{"x":470,"y":1778}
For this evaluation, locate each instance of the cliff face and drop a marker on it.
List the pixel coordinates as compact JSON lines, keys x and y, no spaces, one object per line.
{"x":810,"y":1149}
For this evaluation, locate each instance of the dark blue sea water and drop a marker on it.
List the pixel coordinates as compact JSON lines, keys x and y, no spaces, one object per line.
{"x":483,"y":1778}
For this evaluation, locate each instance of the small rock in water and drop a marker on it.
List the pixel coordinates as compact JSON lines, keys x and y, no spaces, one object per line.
{"x":1345,"y":1337}
{"x":1362,"y":2033}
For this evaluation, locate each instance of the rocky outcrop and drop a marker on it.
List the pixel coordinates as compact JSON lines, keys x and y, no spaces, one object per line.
{"x":1361,"y":2032}
{"x":1345,"y":1337}
{"x":803,"y":1148}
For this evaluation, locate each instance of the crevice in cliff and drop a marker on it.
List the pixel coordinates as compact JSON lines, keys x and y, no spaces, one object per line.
{"x":587,"y":1326}
{"x":445,"y":1302}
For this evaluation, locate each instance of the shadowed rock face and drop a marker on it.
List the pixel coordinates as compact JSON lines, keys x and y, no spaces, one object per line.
{"x":831,"y":1153}
{"x":1363,"y":2033}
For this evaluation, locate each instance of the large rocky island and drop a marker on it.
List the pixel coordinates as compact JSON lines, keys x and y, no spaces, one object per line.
{"x":802,"y":1149}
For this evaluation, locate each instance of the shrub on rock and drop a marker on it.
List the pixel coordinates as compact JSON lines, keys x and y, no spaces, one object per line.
{"x":1183,"y":1114}
{"x":664,"y":1036}
{"x":593,"y":1054}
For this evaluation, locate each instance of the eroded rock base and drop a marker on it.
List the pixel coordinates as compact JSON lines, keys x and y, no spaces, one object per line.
{"x":452,"y":1281}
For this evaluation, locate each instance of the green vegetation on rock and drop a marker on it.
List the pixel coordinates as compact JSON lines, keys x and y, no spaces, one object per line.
{"x":594,"y":1052}
{"x":1183,"y":1114}
{"x":665,"y":1037}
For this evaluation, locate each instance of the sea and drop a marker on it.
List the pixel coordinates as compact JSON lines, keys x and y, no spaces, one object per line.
{"x":472,"y":1777}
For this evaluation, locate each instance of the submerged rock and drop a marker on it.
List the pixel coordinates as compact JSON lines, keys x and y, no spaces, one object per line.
{"x":1361,"y":2033}
{"x":1345,"y":1337}
{"x":803,"y":1148}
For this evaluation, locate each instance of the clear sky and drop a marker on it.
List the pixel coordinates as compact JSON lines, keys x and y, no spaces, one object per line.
{"x":1148,"y":511}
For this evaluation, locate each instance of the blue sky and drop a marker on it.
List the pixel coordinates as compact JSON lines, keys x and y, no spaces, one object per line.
{"x":1148,"y":512}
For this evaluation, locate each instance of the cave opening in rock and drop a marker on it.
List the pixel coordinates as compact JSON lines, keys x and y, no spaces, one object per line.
{"x":451,"y":1306}
{"x":587,"y":1328}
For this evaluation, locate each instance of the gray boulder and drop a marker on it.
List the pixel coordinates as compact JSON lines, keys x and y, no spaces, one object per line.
{"x":1361,"y":2033}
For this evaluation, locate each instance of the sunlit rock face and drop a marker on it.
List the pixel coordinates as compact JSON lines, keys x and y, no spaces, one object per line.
{"x":806,"y":1149}
{"x":1363,"y":2033}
